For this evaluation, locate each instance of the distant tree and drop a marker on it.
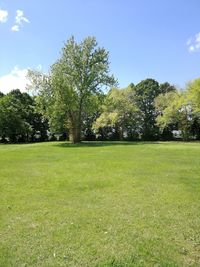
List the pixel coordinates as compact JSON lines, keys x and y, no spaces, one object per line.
{"x":12,"y":122}
{"x":80,"y":73}
{"x":1,"y":94}
{"x":145,"y":93}
{"x":39,"y":125}
{"x":19,"y":120}
{"x":194,"y":94}
{"x":193,"y":89}
{"x":166,"y":88}
{"x":118,"y":112}
{"x":195,"y":127}
{"x":175,"y":108}
{"x":90,"y":116}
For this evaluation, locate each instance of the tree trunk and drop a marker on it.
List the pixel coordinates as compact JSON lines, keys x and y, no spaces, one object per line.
{"x":185,"y":134}
{"x":75,"y":135}
{"x":75,"y":128}
{"x":121,"y":135}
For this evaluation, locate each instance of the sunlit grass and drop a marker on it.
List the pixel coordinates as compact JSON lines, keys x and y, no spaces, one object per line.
{"x":100,"y":204}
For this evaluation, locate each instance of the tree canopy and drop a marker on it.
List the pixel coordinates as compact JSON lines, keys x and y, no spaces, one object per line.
{"x":118,"y":112}
{"x":175,"y":108}
{"x":19,"y":120}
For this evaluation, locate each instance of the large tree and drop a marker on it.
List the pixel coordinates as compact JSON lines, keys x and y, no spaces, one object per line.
{"x":66,"y":94}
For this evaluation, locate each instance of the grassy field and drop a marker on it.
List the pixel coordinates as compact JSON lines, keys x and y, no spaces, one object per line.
{"x":100,"y":204}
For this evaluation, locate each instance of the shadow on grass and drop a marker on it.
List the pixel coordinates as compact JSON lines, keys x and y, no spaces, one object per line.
{"x":102,"y":144}
{"x":86,"y":143}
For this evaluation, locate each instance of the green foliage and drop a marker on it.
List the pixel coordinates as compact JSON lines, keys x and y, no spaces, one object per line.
{"x":145,"y":93}
{"x":14,"y":108}
{"x":175,"y":108}
{"x":1,"y":94}
{"x":166,"y":88}
{"x":19,"y":121}
{"x":71,"y":99}
{"x":194,"y":94}
{"x":74,"y":80}
{"x":118,"y":111}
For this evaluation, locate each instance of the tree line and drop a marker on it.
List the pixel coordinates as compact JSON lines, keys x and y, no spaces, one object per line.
{"x":74,"y":100}
{"x":19,"y":119}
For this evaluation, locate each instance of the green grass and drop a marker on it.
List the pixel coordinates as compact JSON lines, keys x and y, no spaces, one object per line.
{"x":100,"y":204}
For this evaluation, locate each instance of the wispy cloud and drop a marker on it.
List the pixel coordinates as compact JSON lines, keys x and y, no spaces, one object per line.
{"x":3,"y":15}
{"x":20,"y":19}
{"x":193,"y":43}
{"x":16,"y":79}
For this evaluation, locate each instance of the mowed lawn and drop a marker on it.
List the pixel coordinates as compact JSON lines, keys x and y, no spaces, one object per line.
{"x":100,"y":204}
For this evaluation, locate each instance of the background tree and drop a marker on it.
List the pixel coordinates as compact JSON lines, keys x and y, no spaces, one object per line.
{"x":12,"y":117}
{"x":80,"y":73}
{"x":145,"y":93}
{"x":195,"y":127}
{"x":193,"y":89}
{"x":19,"y":120}
{"x":1,"y":94}
{"x":166,"y":88}
{"x":93,"y":112}
{"x":194,"y":94}
{"x":175,"y":108}
{"x":118,"y":112}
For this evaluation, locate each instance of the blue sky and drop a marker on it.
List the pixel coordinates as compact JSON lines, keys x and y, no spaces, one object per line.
{"x":146,"y":38}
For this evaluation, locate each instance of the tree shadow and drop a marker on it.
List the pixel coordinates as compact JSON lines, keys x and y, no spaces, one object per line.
{"x":103,"y":143}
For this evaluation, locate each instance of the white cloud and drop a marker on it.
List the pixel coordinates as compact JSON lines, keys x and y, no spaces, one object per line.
{"x":194,"y":43}
{"x":19,"y":20}
{"x":3,"y":15}
{"x":16,"y":79}
{"x":20,"y":17}
{"x":15,"y":28}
